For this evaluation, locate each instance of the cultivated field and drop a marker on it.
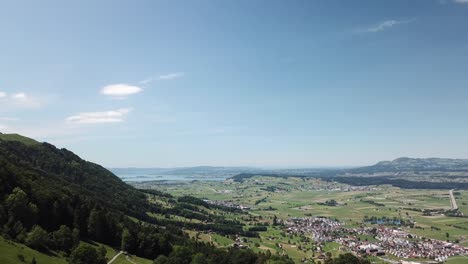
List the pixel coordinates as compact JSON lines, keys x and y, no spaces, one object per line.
{"x":284,"y":198}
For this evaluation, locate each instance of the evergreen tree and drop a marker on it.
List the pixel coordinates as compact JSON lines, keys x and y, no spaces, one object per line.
{"x":86,"y":254}
{"x":37,"y":238}
{"x":126,"y":243}
{"x":63,"y":239}
{"x":161,"y":259}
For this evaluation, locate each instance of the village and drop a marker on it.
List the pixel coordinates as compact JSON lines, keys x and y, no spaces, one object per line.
{"x":228,"y":204}
{"x":388,"y":240}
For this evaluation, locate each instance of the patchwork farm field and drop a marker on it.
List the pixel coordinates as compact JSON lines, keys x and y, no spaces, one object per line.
{"x":269,"y":198}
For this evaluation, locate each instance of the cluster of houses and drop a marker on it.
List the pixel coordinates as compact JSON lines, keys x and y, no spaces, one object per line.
{"x":322,"y":229}
{"x":228,"y":204}
{"x":387,"y":240}
{"x":337,"y":187}
{"x":397,"y":243}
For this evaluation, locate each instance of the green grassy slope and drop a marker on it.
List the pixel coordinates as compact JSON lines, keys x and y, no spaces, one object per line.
{"x":9,"y":252}
{"x":19,"y":138}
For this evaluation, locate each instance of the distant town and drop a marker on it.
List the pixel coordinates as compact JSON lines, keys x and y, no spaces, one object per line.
{"x":389,"y":240}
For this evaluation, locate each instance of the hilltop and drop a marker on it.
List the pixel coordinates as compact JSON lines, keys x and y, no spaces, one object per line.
{"x":18,"y":138}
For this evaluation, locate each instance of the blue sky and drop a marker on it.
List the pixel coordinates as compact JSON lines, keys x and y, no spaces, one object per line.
{"x":255,"y":83}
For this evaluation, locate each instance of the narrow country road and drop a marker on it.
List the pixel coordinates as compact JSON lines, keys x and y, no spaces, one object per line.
{"x":116,"y":256}
{"x":452,"y":201}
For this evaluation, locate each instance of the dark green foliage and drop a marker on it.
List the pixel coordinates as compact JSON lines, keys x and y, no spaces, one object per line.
{"x":21,"y":257}
{"x":198,"y":259}
{"x":180,"y":255}
{"x":102,"y":251}
{"x":373,"y":203}
{"x":347,"y":258}
{"x":187,"y":255}
{"x":329,"y":203}
{"x":37,"y":238}
{"x":197,"y":201}
{"x":57,"y":176}
{"x":45,"y":186}
{"x":272,"y":189}
{"x":401,"y":183}
{"x":86,"y":254}
{"x":19,"y":208}
{"x":260,"y":201}
{"x":161,"y":259}
{"x":276,"y":259}
{"x":258,"y":228}
{"x":127,"y":241}
{"x":156,"y":193}
{"x":64,"y":239}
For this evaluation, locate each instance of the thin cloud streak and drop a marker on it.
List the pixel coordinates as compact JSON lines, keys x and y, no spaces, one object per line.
{"x":385,"y":25}
{"x":169,"y":76}
{"x":113,"y":116}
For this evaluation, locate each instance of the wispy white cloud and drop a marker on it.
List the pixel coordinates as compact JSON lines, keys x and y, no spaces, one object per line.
{"x":385,"y":25}
{"x":120,"y":91}
{"x":461,"y":1}
{"x":171,"y":76}
{"x":19,"y":99}
{"x":146,"y":81}
{"x":114,"y":116}
{"x":168,"y":76}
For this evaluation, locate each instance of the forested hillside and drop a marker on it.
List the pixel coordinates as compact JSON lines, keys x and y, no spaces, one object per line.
{"x":50,"y":200}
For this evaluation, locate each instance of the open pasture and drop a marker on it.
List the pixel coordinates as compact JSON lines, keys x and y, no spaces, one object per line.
{"x":283,"y":198}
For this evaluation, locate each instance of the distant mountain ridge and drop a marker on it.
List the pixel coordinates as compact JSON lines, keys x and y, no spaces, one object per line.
{"x":399,"y":165}
{"x":415,"y":164}
{"x":429,"y":162}
{"x":407,"y":173}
